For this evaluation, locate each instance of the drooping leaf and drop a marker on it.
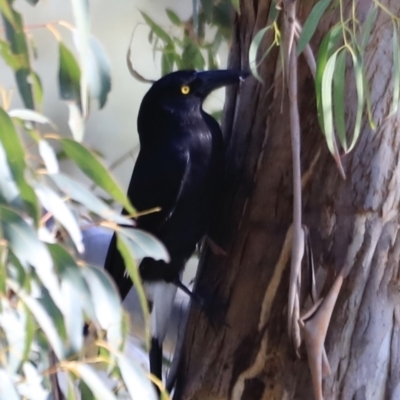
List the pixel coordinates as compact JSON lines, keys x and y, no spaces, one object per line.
{"x":15,"y":34}
{"x":99,"y":72}
{"x":396,"y":72}
{"x":106,"y":302}
{"x":253,"y":51}
{"x":311,"y":24}
{"x":80,"y":10}
{"x":7,"y":388}
{"x":93,"y":381}
{"x":339,"y":97}
{"x":80,"y":194}
{"x":43,"y":318}
{"x":49,"y":156}
{"x":33,"y":2}
{"x":96,"y":171}
{"x":29,"y":115}
{"x":8,"y":188}
{"x":144,"y":244}
{"x":124,"y":246}
{"x":8,"y":56}
{"x":359,"y":78}
{"x":326,"y":101}
{"x":158,"y":31}
{"x":138,"y":384}
{"x":52,"y":202}
{"x":69,"y":76}
{"x":325,"y":51}
{"x":367,"y":26}
{"x":25,"y":244}
{"x":173,"y":17}
{"x":16,"y":160}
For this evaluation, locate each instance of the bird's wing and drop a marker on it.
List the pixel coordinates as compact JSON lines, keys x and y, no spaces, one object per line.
{"x":158,"y":180}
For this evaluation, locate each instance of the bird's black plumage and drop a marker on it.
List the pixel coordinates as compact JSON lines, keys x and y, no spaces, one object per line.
{"x":179,"y":169}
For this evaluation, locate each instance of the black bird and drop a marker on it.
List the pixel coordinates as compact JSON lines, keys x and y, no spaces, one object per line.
{"x":179,"y":169}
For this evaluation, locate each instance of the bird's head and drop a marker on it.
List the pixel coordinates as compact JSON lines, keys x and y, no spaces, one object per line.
{"x":182,"y":90}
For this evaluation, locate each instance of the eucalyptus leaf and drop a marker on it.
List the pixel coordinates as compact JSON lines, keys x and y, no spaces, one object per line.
{"x":13,"y":147}
{"x":7,"y":387}
{"x":24,"y":243}
{"x":93,"y":381}
{"x":96,"y":171}
{"x":52,"y":202}
{"x":82,"y":195}
{"x":49,"y":156}
{"x":138,"y":384}
{"x":107,"y":303}
{"x":69,"y":75}
{"x":311,"y":24}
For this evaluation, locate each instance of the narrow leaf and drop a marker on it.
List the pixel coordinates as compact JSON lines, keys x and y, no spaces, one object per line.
{"x":29,"y":115}
{"x":124,"y":247}
{"x":173,"y":17}
{"x":82,"y":195}
{"x":253,"y":51}
{"x":7,"y":388}
{"x":12,"y":145}
{"x":311,"y":24}
{"x":96,"y":171}
{"x":339,"y":97}
{"x":49,"y":156}
{"x":396,"y":72}
{"x":52,"y":202}
{"x":69,"y":75}
{"x":367,"y":26}
{"x":160,"y":32}
{"x":359,"y":77}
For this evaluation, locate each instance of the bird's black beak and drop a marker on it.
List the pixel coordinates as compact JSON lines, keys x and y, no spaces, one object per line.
{"x":211,"y":80}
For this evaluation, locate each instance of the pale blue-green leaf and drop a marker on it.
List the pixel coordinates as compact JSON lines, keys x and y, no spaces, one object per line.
{"x":173,"y":17}
{"x":15,"y":153}
{"x":325,"y":51}
{"x":72,"y":312}
{"x":82,"y":195}
{"x":71,"y":273}
{"x":8,"y":188}
{"x":44,"y":320}
{"x":311,"y":24}
{"x":12,"y":322}
{"x":158,"y":31}
{"x":144,"y":244}
{"x":25,"y":244}
{"x":367,"y":26}
{"x":76,"y":121}
{"x":106,"y":302}
{"x":93,"y":381}
{"x":91,"y":166}
{"x":136,"y":381}
{"x":396,"y":72}
{"x":253,"y":51}
{"x":33,"y":387}
{"x":326,"y":100}
{"x":124,"y":246}
{"x":49,"y":156}
{"x":7,"y":388}
{"x":53,"y":203}
{"x":99,"y":72}
{"x":339,"y":98}
{"x":359,"y":77}
{"x":30,"y":115}
{"x":80,"y":10}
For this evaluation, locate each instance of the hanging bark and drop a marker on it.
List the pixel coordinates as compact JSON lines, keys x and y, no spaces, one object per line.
{"x":353,"y":225}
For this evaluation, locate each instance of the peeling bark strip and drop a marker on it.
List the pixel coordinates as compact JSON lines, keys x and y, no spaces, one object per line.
{"x":353,"y":226}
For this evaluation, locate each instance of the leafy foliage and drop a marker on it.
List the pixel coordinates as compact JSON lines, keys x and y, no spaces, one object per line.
{"x":191,"y":45}
{"x":345,"y":44}
{"x":47,"y":291}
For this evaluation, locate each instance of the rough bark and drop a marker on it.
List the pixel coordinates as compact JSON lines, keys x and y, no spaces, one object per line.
{"x":353,"y":224}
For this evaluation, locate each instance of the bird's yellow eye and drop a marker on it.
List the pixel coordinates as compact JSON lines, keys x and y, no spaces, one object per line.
{"x":185,"y":89}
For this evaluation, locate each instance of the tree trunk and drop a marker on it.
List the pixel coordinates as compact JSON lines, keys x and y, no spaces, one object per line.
{"x":353,"y":224}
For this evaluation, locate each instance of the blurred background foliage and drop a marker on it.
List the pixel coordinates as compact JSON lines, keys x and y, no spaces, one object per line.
{"x":62,"y":104}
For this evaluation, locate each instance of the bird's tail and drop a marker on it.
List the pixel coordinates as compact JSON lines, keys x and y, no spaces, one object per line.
{"x":161,"y":295}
